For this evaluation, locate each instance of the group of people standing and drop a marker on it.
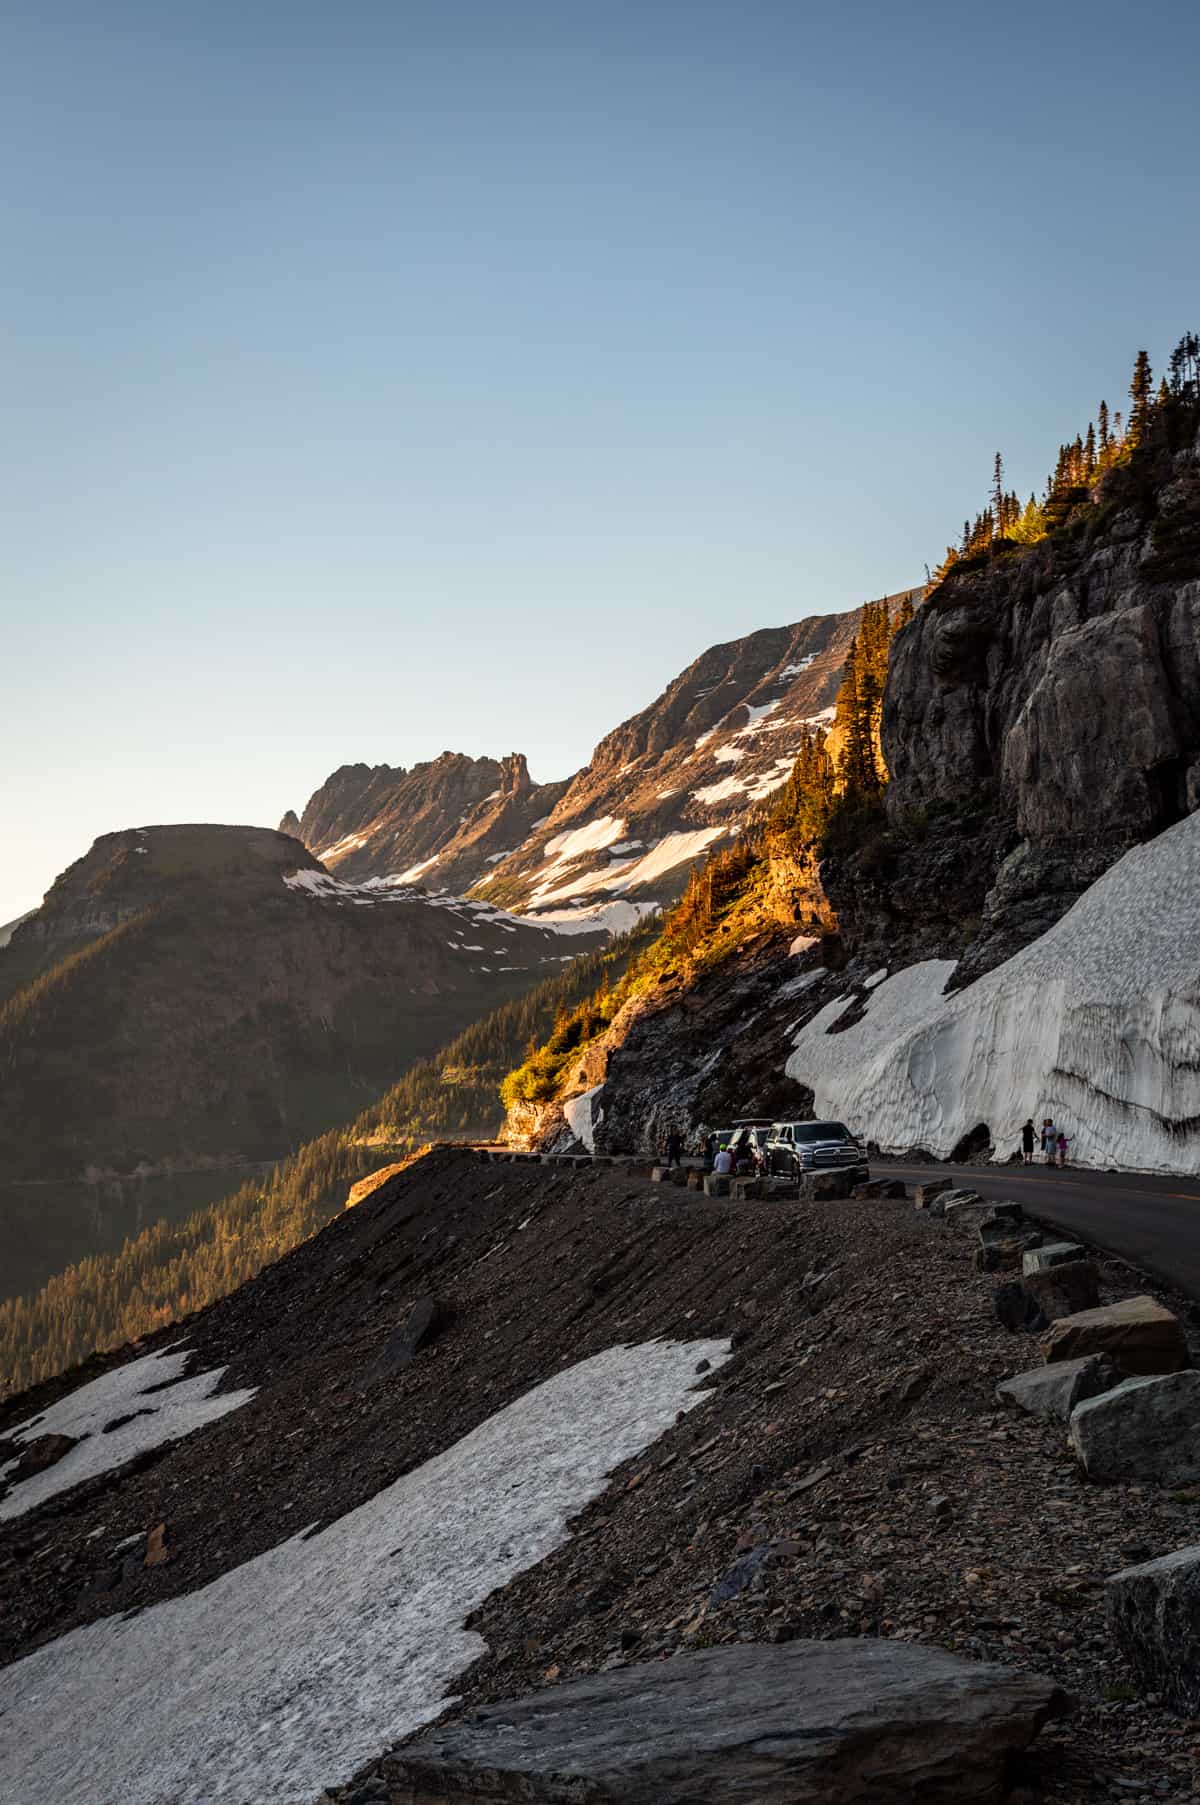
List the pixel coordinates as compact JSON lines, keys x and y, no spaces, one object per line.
{"x":1054,"y":1142}
{"x":741,"y":1155}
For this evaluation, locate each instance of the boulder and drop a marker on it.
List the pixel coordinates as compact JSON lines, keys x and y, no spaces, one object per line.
{"x":1017,"y":1309}
{"x":817,"y":1185}
{"x":743,"y":1190}
{"x":401,"y":1346}
{"x":966,"y":1213}
{"x":880,"y":1187}
{"x":1055,"y":1390}
{"x":716,"y":1184}
{"x":1064,"y":1290}
{"x":801,"y":1723}
{"x":1138,"y":1333}
{"x":1054,"y":1253}
{"x":1142,"y":1429}
{"x":1000,"y":1254}
{"x":695,"y":1179}
{"x":925,"y":1196}
{"x":1154,"y":1618}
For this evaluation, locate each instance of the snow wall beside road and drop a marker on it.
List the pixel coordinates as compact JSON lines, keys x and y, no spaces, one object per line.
{"x":1096,"y":1024}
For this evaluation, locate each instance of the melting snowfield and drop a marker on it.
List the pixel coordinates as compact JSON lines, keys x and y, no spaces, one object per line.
{"x":144,"y":1418}
{"x":1097,"y":1024}
{"x":284,"y":1675}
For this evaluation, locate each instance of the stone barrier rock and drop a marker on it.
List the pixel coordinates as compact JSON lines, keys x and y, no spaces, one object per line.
{"x":926,"y":1195}
{"x":1001,"y":1253}
{"x":659,"y":1175}
{"x":817,"y":1185}
{"x":716,"y":1184}
{"x":1138,"y":1333}
{"x":966,"y":1213}
{"x":1053,"y":1253}
{"x":744,"y":1189}
{"x":1064,"y":1290}
{"x":801,"y":1723}
{"x":1055,"y":1390}
{"x":1016,"y":1309}
{"x":1142,"y":1429}
{"x":1154,"y":1618}
{"x":880,"y":1187}
{"x":695,"y":1180}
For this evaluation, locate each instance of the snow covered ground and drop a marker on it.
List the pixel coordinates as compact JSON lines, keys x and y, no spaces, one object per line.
{"x":1096,"y":1024}
{"x":284,"y":1675}
{"x":154,"y":1417}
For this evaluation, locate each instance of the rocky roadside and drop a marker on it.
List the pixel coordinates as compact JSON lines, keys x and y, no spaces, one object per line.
{"x":856,"y":1476}
{"x":853,"y":1473}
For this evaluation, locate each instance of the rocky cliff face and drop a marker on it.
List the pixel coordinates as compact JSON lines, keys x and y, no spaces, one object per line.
{"x":440,"y":823}
{"x":1049,"y":704}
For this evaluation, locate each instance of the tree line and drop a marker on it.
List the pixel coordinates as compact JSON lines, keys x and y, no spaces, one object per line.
{"x":1110,"y":440}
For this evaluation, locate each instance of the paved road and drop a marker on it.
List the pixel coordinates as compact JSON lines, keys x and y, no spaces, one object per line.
{"x":1152,"y":1222}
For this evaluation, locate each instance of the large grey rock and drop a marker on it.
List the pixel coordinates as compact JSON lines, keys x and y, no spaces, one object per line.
{"x":806,"y":1723}
{"x":1142,"y":1429}
{"x":1065,"y":1290}
{"x":1138,"y":1333}
{"x":1054,"y":1253}
{"x":1055,"y":1390}
{"x":1154,"y":1618}
{"x":814,"y":1186}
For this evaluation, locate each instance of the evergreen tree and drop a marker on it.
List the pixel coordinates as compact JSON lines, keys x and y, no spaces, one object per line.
{"x":997,"y":496}
{"x":1141,"y":391}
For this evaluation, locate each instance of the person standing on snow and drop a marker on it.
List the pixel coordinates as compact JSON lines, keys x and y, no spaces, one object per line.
{"x":1027,"y":1133}
{"x":1049,"y":1140}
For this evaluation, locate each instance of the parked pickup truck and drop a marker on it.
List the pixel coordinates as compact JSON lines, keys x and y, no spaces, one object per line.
{"x":794,"y":1148}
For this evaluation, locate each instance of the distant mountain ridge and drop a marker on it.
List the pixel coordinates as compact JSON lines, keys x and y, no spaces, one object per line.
{"x":658,"y":792}
{"x":196,"y":996}
{"x":452,"y":815}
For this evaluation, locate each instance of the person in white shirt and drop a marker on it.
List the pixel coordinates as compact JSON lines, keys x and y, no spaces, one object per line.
{"x":723,"y":1164}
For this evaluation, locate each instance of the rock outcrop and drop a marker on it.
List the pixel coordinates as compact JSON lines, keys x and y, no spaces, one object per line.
{"x":1048,"y":703}
{"x":810,"y":1723}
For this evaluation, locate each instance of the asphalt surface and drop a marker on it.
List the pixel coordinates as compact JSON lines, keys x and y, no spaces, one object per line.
{"x":1152,"y":1222}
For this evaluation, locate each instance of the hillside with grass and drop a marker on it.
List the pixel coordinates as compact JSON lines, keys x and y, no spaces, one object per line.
{"x":171,"y":1269}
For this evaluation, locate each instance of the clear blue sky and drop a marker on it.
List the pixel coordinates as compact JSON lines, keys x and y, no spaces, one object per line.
{"x":381,"y":376}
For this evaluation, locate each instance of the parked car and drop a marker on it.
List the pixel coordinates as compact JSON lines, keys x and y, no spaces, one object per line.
{"x":796,"y":1147}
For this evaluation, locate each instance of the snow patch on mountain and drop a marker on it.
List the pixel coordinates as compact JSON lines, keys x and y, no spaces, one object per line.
{"x":128,"y":1392}
{"x":282,"y":1676}
{"x":1097,"y":1023}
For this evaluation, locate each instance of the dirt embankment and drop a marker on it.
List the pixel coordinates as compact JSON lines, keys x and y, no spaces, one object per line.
{"x":852,"y":1473}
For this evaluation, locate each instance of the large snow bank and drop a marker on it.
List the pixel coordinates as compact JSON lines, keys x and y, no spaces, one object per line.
{"x":1096,"y":1024}
{"x":286,"y":1673}
{"x":154,"y":1417}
